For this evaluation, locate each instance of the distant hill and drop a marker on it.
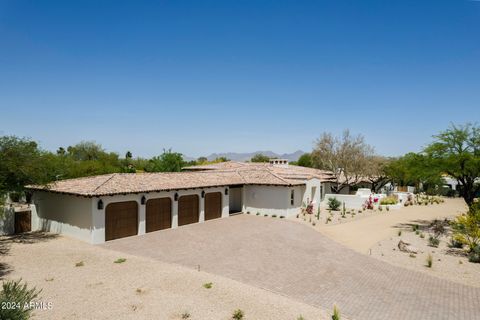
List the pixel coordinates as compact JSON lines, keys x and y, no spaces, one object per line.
{"x":235,"y":156}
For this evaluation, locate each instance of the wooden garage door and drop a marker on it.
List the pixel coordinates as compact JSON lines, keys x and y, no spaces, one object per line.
{"x":121,"y":220}
{"x":187,"y":210}
{"x":23,"y":221}
{"x":158,"y":214}
{"x":213,"y":205}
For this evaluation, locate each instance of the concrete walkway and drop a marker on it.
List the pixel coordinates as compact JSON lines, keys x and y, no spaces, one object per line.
{"x":296,"y":261}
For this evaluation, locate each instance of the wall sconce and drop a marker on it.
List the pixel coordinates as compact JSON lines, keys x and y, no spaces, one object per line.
{"x":203,"y":194}
{"x":143,"y":200}
{"x":226,"y":191}
{"x":175,"y":197}
{"x":100,"y":204}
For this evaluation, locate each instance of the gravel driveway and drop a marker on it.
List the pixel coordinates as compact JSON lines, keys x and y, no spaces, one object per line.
{"x":296,"y":261}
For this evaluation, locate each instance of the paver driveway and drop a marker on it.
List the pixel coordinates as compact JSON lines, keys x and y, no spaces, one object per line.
{"x":296,"y":261}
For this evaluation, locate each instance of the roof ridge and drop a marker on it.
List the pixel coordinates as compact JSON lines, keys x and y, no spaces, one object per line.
{"x":104,"y":182}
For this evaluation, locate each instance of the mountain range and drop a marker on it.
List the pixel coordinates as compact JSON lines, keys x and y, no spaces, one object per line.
{"x":246,"y":156}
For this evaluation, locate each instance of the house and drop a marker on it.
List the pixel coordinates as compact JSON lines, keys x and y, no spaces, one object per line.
{"x":107,"y":207}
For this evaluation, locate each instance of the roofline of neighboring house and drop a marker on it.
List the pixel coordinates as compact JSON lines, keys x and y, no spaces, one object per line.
{"x":34,"y":188}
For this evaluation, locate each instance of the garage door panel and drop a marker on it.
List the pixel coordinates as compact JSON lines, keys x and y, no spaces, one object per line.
{"x":121,"y":220}
{"x":158,"y":214}
{"x":188,"y":210}
{"x":213,"y":205}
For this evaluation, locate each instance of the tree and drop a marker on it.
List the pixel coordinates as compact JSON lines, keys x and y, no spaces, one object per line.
{"x":346,"y":157}
{"x":21,"y":163}
{"x":168,"y":161}
{"x":456,"y":152}
{"x":305,"y":160}
{"x":128,"y":155}
{"x":375,"y":172}
{"x":202,"y":160}
{"x":260,"y":158}
{"x":414,"y":169}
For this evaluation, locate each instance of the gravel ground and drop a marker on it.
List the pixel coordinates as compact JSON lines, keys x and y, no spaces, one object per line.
{"x":138,"y":288}
{"x":448,"y":263}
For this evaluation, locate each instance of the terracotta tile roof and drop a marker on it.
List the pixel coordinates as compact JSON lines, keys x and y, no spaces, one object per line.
{"x":123,"y":183}
{"x":286,"y":172}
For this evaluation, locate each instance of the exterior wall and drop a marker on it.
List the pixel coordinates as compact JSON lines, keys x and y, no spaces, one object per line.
{"x":98,"y":216}
{"x":272,"y":200}
{"x":7,"y":220}
{"x":65,"y":214}
{"x":312,"y":193}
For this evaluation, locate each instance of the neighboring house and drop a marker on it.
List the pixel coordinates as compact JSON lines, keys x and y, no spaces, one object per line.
{"x":106,"y":207}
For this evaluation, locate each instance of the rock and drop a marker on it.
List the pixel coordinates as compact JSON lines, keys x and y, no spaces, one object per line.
{"x":406,"y":247}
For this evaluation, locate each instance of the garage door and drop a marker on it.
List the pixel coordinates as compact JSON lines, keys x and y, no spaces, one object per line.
{"x":158,"y":214}
{"x":121,"y":220}
{"x":187,"y":210}
{"x":213,"y":205}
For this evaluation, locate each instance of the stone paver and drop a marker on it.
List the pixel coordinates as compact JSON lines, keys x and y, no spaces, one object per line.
{"x":296,"y":261}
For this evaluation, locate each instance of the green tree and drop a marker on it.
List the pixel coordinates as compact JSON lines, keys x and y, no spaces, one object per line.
{"x":456,"y":152}
{"x":168,"y":161}
{"x":305,"y":160}
{"x":260,"y":158}
{"x":21,"y":163}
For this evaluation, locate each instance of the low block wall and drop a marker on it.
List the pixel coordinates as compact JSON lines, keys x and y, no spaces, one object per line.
{"x":351,"y":201}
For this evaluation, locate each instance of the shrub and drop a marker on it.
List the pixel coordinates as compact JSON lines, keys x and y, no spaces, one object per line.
{"x":429,"y":261}
{"x":422,"y":235}
{"x":313,"y":223}
{"x":120,"y":260}
{"x":466,"y":228}
{"x":333,"y":204}
{"x":274,"y":215}
{"x":300,"y":317}
{"x":417,"y":232}
{"x":258,"y":213}
{"x":281,"y":217}
{"x":388,"y":208}
{"x":399,"y":233}
{"x":19,"y":294}
{"x":237,"y":314}
{"x":389,"y":200}
{"x":265,"y":215}
{"x":433,"y":241}
{"x":336,"y":313}
{"x":455,"y":244}
{"x":79,"y":264}
{"x":380,"y":208}
{"x":474,"y":255}
{"x":186,"y":315}
{"x":208,"y":285}
{"x":415,"y":227}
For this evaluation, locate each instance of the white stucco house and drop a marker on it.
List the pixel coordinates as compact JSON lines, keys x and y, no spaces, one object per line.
{"x":107,"y":207}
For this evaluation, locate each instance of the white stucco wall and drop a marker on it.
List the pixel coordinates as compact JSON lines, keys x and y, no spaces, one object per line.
{"x":7,"y":220}
{"x":272,"y":200}
{"x":64,"y":214}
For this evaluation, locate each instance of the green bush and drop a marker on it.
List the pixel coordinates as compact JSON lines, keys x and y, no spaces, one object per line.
{"x":429,"y":260}
{"x":474,"y":255}
{"x":336,"y":313}
{"x":333,"y":204}
{"x":466,"y":228}
{"x":20,"y":294}
{"x":389,"y":200}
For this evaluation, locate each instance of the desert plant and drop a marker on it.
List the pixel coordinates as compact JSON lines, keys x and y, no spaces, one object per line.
{"x":314,"y":223}
{"x":79,"y":264}
{"x":237,"y":314}
{"x":186,"y":315}
{"x":336,"y":313}
{"x":388,"y":208}
{"x":399,"y":233}
{"x":120,"y":260}
{"x":380,"y":208}
{"x":433,"y":241}
{"x":333,"y":204}
{"x":300,"y":317}
{"x":265,"y":215}
{"x":208,"y":285}
{"x":274,"y":215}
{"x":282,"y":217}
{"x":16,"y":294}
{"x":422,"y":235}
{"x":429,"y":261}
{"x":412,"y":255}
{"x":466,"y":228}
{"x":474,"y":255}
{"x":455,"y":244}
{"x":389,"y":200}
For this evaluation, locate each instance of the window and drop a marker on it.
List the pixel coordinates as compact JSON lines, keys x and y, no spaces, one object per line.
{"x":292,"y":197}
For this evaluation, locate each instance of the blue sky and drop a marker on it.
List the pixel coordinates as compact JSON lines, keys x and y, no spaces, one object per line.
{"x":215,"y":76}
